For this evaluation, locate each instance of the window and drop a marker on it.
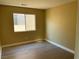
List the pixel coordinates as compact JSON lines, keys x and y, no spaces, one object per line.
{"x":24,"y":22}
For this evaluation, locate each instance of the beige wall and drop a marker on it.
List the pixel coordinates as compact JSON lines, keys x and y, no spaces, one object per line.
{"x":9,"y":36}
{"x":61,"y":24}
{"x":0,"y":41}
{"x":0,"y":49}
{"x":77,"y":34}
{"x":0,"y":37}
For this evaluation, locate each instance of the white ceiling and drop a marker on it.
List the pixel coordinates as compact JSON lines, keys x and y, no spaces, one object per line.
{"x":39,"y":4}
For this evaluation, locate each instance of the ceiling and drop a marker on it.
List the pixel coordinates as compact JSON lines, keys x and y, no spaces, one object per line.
{"x":39,"y":4}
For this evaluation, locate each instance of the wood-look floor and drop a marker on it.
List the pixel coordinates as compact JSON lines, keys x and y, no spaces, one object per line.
{"x":40,"y":50}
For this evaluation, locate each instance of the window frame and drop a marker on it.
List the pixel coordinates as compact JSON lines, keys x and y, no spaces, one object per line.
{"x":25,"y":22}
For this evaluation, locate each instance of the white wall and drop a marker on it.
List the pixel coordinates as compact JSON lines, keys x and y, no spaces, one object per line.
{"x":77,"y":35}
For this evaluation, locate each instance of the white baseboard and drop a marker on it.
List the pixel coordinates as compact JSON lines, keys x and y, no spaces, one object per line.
{"x":61,"y":46}
{"x":58,"y":45}
{"x":19,"y":43}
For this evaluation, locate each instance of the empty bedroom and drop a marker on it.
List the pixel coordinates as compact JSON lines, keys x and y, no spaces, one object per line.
{"x":38,"y":29}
